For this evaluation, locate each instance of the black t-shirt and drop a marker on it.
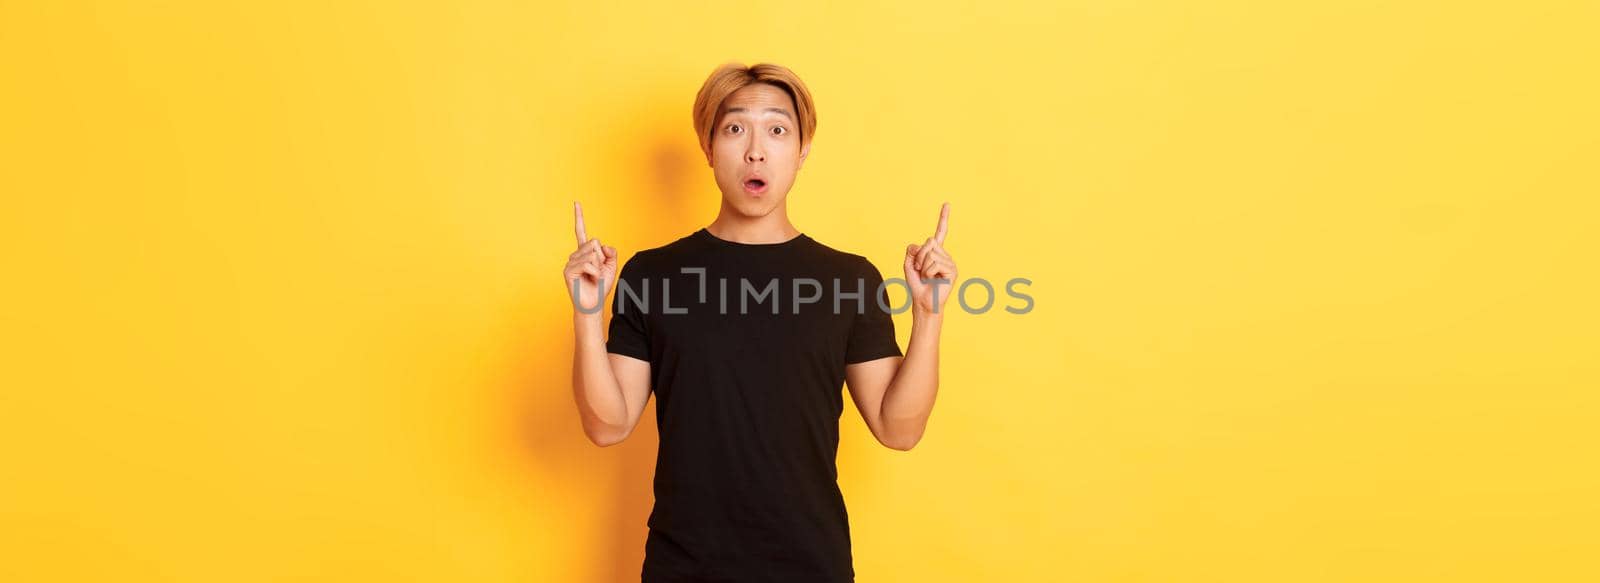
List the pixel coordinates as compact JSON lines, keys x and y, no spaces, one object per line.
{"x":747,"y":352}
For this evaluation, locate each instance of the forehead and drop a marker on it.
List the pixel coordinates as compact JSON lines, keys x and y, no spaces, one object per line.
{"x":757,"y":98}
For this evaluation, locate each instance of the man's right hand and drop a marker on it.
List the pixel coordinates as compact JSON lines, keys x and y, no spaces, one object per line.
{"x":593,"y":265}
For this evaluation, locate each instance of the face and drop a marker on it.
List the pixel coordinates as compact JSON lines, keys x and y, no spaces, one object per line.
{"x":755,"y":149}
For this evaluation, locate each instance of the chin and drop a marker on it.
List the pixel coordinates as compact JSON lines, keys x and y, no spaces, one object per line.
{"x":752,"y":209}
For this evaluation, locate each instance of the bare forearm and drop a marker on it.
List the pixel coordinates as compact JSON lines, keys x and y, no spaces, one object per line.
{"x":594,"y":384}
{"x":908,"y":402}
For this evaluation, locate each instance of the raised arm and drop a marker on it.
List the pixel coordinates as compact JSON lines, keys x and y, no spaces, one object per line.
{"x":895,"y":394}
{"x":610,"y":389}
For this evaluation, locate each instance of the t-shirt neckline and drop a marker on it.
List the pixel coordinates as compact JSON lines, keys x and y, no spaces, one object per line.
{"x":705,"y":234}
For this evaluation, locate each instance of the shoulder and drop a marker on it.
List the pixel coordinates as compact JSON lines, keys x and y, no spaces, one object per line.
{"x":852,"y":262}
{"x":654,"y":259}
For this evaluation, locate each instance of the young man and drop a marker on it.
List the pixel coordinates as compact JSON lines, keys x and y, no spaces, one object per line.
{"x":745,"y":330}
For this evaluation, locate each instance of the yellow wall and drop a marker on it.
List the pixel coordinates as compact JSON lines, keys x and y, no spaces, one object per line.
{"x":1314,"y":284}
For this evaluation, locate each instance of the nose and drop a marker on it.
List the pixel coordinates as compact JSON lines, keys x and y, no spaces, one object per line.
{"x":754,"y":153}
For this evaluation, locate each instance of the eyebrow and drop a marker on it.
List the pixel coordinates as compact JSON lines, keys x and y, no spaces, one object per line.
{"x":779,"y":110}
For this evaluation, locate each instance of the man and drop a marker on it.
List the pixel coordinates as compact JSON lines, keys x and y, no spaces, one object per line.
{"x":744,"y":330}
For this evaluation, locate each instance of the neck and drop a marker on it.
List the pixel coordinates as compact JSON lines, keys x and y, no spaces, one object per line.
{"x":774,"y":227}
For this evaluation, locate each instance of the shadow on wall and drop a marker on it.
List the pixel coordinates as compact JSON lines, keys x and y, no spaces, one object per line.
{"x":666,"y":201}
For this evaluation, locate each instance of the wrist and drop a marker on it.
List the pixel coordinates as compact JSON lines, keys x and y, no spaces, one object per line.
{"x":921,"y":314}
{"x":586,"y":320}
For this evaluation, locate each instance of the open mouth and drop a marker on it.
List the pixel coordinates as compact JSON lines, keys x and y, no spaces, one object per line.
{"x":755,"y":185}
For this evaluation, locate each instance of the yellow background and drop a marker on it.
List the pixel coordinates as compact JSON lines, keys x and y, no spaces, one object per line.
{"x":1314,"y":284}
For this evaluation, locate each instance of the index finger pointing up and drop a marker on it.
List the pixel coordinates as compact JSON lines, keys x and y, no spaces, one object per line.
{"x":944,"y":223}
{"x":577,"y":210}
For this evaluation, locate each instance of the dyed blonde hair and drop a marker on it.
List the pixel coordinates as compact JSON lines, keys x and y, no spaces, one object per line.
{"x":733,"y":77}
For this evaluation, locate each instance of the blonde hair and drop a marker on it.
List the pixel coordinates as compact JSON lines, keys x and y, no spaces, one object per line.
{"x":733,"y":77}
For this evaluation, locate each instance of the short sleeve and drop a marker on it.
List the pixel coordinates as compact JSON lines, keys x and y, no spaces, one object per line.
{"x":629,"y":334}
{"x":872,"y":332}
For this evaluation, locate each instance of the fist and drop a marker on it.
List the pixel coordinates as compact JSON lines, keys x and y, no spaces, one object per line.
{"x":591,"y":269}
{"x":928,"y":262}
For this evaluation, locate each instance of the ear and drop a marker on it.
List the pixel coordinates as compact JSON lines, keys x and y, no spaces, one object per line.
{"x":707,"y":152}
{"x":804,"y":150}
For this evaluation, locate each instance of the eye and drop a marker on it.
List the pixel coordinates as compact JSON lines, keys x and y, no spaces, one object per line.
{"x":779,"y":130}
{"x":734,"y":128}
